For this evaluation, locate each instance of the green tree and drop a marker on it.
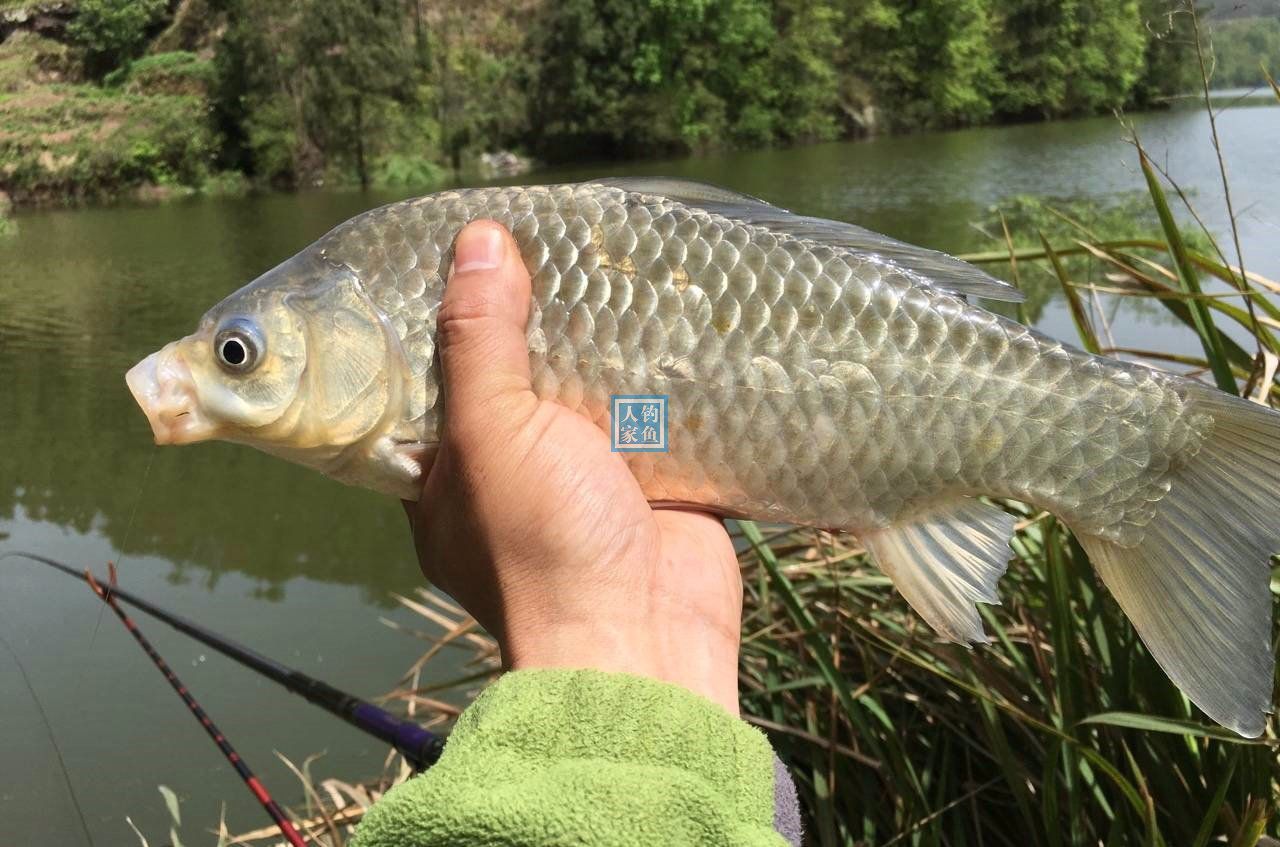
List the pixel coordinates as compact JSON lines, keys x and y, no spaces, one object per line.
{"x":359,"y":66}
{"x":805,"y":103}
{"x":655,"y":75}
{"x":1065,"y":57}
{"x":113,"y":31}
{"x":928,"y":63}
{"x":320,"y":85}
{"x":259,"y":94}
{"x":1169,"y":61}
{"x":1242,"y":48}
{"x":473,"y":50}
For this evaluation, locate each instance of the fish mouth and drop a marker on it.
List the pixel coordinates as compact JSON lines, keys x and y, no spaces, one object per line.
{"x":164,"y":389}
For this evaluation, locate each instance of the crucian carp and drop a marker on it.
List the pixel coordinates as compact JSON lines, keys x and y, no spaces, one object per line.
{"x":814,"y":373}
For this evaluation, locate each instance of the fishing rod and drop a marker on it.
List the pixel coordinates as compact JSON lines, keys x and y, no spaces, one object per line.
{"x":286,"y":827}
{"x":419,"y":747}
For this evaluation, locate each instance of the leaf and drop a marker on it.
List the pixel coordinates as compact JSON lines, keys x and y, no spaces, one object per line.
{"x":171,"y":801}
{"x":1270,"y":362}
{"x":224,"y":836}
{"x":1078,"y":313}
{"x":1147,"y":723}
{"x":1272,"y":81}
{"x":1215,"y":805}
{"x":141,"y":837}
{"x":1254,"y":823}
{"x":1209,"y":337}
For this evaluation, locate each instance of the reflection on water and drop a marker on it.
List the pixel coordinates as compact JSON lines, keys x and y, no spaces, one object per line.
{"x":226,"y":531}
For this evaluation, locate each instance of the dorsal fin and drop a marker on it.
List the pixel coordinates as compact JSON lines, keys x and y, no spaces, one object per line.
{"x":931,"y":266}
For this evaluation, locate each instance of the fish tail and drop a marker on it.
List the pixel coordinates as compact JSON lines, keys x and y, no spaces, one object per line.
{"x":1197,"y":586}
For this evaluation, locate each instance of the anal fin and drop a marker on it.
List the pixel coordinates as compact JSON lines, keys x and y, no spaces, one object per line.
{"x":946,"y":559}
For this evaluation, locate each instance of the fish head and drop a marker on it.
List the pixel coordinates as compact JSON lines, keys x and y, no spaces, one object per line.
{"x":297,"y":363}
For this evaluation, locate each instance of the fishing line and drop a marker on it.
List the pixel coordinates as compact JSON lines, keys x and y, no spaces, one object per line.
{"x":128,"y":530}
{"x":53,"y":739}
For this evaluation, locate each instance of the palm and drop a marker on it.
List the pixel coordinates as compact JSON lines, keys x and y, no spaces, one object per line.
{"x":569,"y":499}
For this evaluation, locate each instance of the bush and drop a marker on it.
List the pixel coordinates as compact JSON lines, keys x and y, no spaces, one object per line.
{"x":28,"y":59}
{"x":113,"y":31}
{"x":78,"y":142}
{"x":403,"y":170}
{"x":179,"y":72}
{"x":225,"y":184}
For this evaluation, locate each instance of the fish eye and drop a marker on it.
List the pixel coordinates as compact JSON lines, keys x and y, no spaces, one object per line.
{"x":238,"y":347}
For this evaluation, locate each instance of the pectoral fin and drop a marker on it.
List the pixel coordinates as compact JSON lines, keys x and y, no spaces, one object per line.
{"x":945,"y":560}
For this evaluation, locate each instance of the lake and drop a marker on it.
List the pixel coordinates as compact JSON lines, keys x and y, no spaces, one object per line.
{"x":303,"y":568}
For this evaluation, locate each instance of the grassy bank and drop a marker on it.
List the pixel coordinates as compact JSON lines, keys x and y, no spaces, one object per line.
{"x":63,"y":140}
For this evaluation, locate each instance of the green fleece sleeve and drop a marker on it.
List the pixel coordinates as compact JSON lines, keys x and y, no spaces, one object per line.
{"x":578,"y":757}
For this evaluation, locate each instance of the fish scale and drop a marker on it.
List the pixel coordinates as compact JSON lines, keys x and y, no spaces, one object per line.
{"x":755,"y":335}
{"x":816,"y":373}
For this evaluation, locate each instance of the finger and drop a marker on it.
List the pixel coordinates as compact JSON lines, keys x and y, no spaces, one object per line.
{"x":484,"y":356}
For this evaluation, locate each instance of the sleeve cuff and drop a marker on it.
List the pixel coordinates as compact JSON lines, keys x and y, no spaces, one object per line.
{"x":602,"y":758}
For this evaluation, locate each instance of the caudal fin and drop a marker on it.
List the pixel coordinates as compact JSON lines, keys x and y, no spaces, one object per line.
{"x":1197,"y":587}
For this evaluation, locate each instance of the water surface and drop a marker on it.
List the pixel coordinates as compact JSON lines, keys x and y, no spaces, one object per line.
{"x":301,"y":567}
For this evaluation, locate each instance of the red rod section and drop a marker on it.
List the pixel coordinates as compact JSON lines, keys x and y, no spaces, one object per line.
{"x":287,"y":829}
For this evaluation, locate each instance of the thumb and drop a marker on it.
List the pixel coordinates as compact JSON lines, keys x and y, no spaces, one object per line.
{"x":484,"y":356}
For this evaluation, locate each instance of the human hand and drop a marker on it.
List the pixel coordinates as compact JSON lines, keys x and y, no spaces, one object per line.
{"x":540,"y":531}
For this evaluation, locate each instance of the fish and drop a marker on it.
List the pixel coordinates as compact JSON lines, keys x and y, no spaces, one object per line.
{"x":814,"y":373}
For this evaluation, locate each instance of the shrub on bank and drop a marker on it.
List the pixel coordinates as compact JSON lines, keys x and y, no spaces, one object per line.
{"x":77,"y":142}
{"x":178,"y":72}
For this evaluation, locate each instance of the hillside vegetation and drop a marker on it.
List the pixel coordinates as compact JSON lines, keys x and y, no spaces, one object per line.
{"x":100,"y":97}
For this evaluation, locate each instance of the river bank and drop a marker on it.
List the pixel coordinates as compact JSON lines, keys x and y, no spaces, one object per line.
{"x":107,"y":100}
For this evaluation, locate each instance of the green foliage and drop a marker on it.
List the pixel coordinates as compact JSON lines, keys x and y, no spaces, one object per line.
{"x":398,"y":170}
{"x":254,"y":94}
{"x":113,"y":31}
{"x":1044,"y":737}
{"x":78,"y":142}
{"x":1072,"y":57}
{"x":298,"y":90}
{"x":27,"y":60}
{"x":1242,"y":48}
{"x":473,"y":72}
{"x":356,"y":60}
{"x":351,"y":91}
{"x":178,"y":72}
{"x":7,"y":226}
{"x":931,"y":63}
{"x":1170,"y":61}
{"x":225,"y":184}
{"x":655,"y":75}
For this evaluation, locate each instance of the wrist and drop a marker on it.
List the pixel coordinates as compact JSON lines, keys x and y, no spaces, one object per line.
{"x":698,"y":658}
